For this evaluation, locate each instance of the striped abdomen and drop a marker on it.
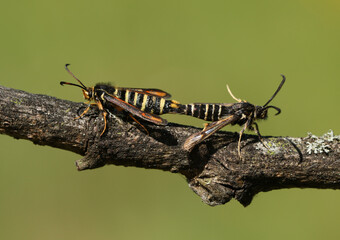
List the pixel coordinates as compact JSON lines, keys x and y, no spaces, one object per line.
{"x":206,"y":111}
{"x":147,"y":103}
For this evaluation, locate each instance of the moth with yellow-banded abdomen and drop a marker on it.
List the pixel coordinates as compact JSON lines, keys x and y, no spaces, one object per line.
{"x":146,"y":104}
{"x":242,"y":113}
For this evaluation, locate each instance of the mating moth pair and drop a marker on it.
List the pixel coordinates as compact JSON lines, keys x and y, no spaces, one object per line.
{"x":148,"y":104}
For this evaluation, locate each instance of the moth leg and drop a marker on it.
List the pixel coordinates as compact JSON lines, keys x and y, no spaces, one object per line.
{"x":101,"y":109}
{"x":239,"y":142}
{"x":259,"y":135}
{"x":86,"y":110}
{"x":147,"y":132}
{"x":104,"y":116}
{"x":246,"y":125}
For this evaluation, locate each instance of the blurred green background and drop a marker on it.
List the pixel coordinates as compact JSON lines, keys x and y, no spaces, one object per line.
{"x":190,"y":49}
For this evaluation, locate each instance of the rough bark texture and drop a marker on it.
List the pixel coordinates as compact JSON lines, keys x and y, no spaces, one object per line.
{"x":213,"y":169}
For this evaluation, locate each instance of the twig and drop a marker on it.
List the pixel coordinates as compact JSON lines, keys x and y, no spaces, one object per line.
{"x":213,"y":169}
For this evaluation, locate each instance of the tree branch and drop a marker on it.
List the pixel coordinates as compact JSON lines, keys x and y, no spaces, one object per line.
{"x":213,"y":169}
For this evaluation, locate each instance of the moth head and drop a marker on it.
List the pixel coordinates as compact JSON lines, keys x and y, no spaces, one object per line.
{"x":88,"y":92}
{"x":261,"y":113}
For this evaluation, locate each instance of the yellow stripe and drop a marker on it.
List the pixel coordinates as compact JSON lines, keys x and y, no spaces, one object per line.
{"x":127,"y":94}
{"x":102,"y":96}
{"x":213,"y":112}
{"x":144,"y":102}
{"x":206,"y":111}
{"x":135,"y":99}
{"x":219,"y":112}
{"x":161,"y":105}
{"x":116,"y":92}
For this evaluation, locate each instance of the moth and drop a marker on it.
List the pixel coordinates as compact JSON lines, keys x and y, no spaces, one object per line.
{"x":144,"y":103}
{"x":242,"y":113}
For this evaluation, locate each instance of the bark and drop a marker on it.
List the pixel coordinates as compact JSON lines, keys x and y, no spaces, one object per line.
{"x":213,"y":169}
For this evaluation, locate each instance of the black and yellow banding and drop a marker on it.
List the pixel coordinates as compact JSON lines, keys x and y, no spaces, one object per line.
{"x":143,"y":103}
{"x":242,"y":113}
{"x":147,"y":103}
{"x":206,"y":111}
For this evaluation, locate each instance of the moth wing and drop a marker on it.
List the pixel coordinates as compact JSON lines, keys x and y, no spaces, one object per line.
{"x":149,"y":91}
{"x":209,"y":129}
{"x":133,"y":110}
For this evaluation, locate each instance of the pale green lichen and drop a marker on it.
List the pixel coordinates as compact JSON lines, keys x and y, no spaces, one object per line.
{"x":204,"y":181}
{"x":320,"y":144}
{"x":273,"y":146}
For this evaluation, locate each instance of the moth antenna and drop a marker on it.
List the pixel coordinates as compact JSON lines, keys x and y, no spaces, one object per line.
{"x":277,"y":90}
{"x":237,"y":99}
{"x":276,"y":108}
{"x":68,"y":70}
{"x":72,"y":84}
